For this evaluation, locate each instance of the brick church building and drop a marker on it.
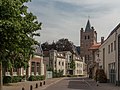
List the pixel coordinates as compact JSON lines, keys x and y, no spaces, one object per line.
{"x":88,"y":38}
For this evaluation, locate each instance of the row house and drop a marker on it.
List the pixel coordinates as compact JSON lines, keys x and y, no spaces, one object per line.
{"x":55,"y":61}
{"x":108,"y":56}
{"x":79,"y":67}
{"x":35,"y":65}
{"x":60,"y":61}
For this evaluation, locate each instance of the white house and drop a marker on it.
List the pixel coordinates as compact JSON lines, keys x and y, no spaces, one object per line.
{"x":60,"y":61}
{"x":109,"y":55}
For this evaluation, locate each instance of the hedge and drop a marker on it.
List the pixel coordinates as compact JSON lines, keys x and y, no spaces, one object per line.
{"x":11,"y":79}
{"x":36,"y":78}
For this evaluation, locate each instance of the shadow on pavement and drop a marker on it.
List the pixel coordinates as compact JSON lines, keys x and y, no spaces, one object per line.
{"x":78,"y":85}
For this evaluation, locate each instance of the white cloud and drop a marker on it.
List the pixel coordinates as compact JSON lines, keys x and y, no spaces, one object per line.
{"x":64,"y":18}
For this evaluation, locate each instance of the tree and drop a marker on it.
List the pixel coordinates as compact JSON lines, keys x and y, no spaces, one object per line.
{"x":60,"y":45}
{"x":45,"y":46}
{"x":17,"y":28}
{"x":64,"y":45}
{"x":72,"y":67}
{"x":72,"y":64}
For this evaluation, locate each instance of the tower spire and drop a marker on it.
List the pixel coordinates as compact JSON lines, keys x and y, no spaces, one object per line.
{"x":88,"y":26}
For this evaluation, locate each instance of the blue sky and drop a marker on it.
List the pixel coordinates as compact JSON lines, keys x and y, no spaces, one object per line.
{"x":65,"y":18}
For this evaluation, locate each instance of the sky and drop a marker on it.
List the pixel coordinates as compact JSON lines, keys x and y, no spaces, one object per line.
{"x":64,"y":18}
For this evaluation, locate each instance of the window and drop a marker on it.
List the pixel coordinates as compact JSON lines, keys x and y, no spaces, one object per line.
{"x":59,"y":63}
{"x":14,"y":70}
{"x":38,"y":67}
{"x":114,"y":45}
{"x":62,"y":63}
{"x":55,"y":63}
{"x":108,"y":48}
{"x":111,"y":47}
{"x":85,"y":37}
{"x":88,"y":37}
{"x":32,"y":66}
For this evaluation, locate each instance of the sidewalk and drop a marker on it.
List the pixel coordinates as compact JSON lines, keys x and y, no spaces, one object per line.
{"x":27,"y":84}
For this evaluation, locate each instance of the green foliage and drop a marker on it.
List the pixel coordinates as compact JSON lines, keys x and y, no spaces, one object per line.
{"x":100,"y":76}
{"x":57,"y":74}
{"x":12,"y":79}
{"x":36,"y":78}
{"x":60,"y":45}
{"x":32,"y":78}
{"x":17,"y":28}
{"x":49,"y":69}
{"x":7,"y":79}
{"x":16,"y":79}
{"x":72,"y":64}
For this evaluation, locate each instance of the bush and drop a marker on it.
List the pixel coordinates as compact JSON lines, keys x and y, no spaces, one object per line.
{"x":42,"y":77}
{"x":16,"y":79}
{"x":100,"y":76}
{"x":11,"y":79}
{"x":36,"y":78}
{"x":7,"y":79}
{"x":32,"y":78}
{"x":57,"y":74}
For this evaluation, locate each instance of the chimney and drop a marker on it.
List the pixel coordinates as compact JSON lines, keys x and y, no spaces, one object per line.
{"x":102,"y":40}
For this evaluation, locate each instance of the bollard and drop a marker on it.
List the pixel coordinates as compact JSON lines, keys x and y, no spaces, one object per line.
{"x":44,"y":83}
{"x":97,"y":83}
{"x":40,"y":83}
{"x":36,"y":85}
{"x":31,"y":87}
{"x":23,"y":88}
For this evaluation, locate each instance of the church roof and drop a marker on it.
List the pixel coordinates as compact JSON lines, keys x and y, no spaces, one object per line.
{"x":88,"y":26}
{"x":95,"y":46}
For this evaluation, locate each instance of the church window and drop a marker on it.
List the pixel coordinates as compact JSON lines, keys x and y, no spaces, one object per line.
{"x":88,"y":37}
{"x":85,"y":37}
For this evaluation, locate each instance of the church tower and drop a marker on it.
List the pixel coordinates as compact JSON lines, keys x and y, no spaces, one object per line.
{"x":88,"y":37}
